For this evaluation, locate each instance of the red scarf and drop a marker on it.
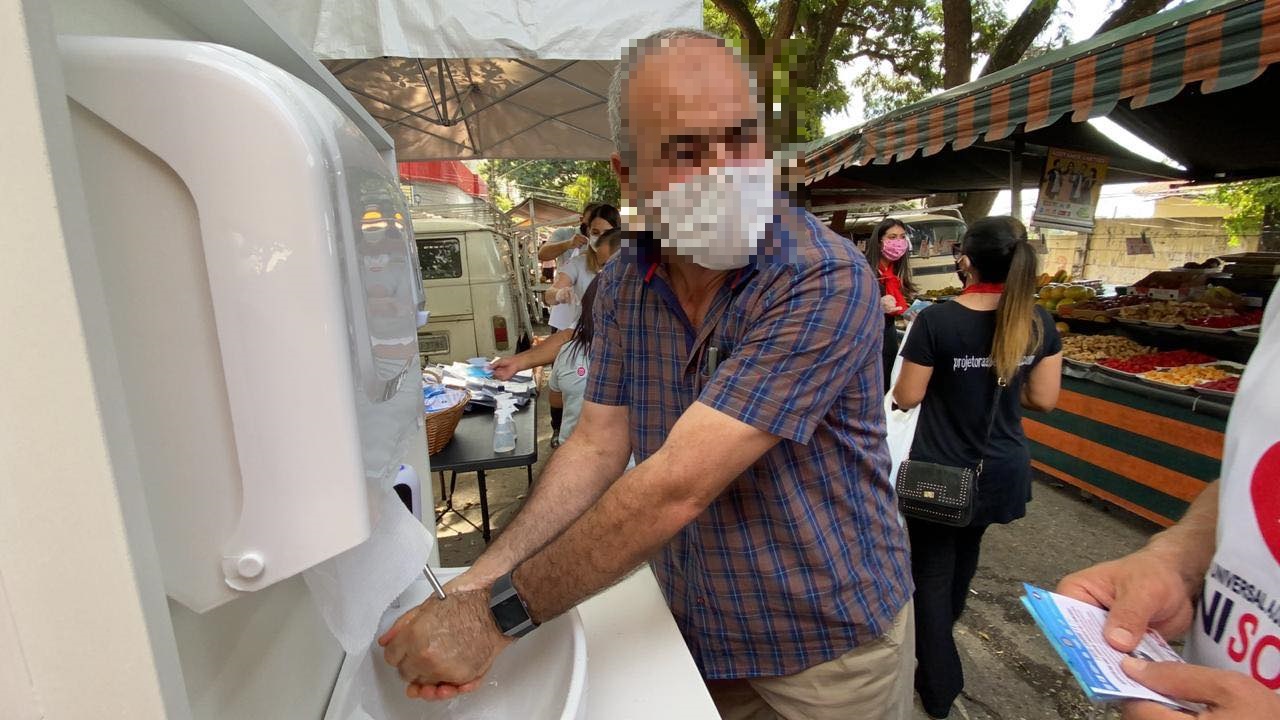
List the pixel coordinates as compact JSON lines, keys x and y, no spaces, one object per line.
{"x":995,"y":288}
{"x":892,"y":286}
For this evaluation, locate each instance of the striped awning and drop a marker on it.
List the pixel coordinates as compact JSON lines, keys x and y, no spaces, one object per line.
{"x":1220,"y":44}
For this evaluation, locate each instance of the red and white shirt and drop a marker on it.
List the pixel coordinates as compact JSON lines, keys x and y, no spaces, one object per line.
{"x":1237,"y":622}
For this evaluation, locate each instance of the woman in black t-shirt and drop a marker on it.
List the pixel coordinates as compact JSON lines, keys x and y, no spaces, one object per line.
{"x":952,"y":360}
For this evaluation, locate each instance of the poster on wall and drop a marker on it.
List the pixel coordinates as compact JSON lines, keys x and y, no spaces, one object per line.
{"x":1069,"y":190}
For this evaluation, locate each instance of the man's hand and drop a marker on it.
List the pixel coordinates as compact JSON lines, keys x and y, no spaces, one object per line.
{"x":1140,"y":591}
{"x":888,"y":304}
{"x":580,"y":240}
{"x":1225,"y":693}
{"x":444,"y":647}
{"x":505,"y":368}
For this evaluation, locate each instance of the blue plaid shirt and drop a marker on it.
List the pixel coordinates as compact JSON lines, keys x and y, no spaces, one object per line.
{"x":801,"y":558}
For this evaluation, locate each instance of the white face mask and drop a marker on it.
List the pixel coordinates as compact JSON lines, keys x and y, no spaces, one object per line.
{"x":718,"y":218}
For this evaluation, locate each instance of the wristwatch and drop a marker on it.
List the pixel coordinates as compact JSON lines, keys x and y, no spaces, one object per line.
{"x":509,"y":610}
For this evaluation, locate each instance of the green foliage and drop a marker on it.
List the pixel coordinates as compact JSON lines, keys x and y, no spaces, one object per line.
{"x":567,"y":182}
{"x":1251,"y":202}
{"x":903,"y":42}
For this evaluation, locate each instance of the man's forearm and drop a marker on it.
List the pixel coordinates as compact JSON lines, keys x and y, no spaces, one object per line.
{"x":1190,"y":544}
{"x":552,"y":250}
{"x":630,"y":523}
{"x":576,"y":476}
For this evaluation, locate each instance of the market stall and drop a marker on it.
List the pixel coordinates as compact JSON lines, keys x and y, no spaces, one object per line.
{"x":1149,"y":376}
{"x":1142,"y":432}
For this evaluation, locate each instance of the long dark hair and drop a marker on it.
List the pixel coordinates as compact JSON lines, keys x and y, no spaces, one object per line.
{"x":606,"y":211}
{"x":901,"y":266}
{"x":611,"y":216}
{"x":587,"y":211}
{"x":997,"y":248}
{"x":584,"y":331}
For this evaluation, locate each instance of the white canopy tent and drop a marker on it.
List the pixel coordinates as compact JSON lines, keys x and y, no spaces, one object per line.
{"x":452,"y":79}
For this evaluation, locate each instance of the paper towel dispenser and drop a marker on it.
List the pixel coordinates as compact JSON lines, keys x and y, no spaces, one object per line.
{"x":263,"y":291}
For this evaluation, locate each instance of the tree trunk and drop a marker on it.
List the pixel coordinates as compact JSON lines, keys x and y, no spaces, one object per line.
{"x":1269,"y":238}
{"x":1021,"y":34}
{"x":957,"y":42}
{"x":1130,"y":11}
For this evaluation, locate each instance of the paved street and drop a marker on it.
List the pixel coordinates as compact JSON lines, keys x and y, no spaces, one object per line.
{"x":1011,"y":671}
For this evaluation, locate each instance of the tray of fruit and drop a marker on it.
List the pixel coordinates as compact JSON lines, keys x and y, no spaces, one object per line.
{"x":1178,"y":358}
{"x":942,"y":294}
{"x":1086,"y":350}
{"x":1224,"y":388}
{"x":1185,"y":377}
{"x":1139,"y":364}
{"x":1169,"y":314}
{"x":1129,"y":367}
{"x":1224,"y":323}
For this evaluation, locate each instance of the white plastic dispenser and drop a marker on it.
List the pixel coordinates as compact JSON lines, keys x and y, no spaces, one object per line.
{"x":264,"y":306}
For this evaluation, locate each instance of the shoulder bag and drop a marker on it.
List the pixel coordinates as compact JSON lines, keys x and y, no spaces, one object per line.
{"x":944,"y":494}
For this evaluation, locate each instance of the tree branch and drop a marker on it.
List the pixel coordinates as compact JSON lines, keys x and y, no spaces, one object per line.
{"x":1014,"y":45}
{"x":828,"y":25}
{"x":738,"y":11}
{"x":785,"y":24}
{"x":1132,"y":10}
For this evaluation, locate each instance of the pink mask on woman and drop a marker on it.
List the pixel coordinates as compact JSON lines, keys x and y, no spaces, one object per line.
{"x":894,"y":248}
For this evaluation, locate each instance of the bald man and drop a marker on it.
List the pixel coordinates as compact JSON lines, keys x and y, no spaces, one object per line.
{"x":736,"y":352}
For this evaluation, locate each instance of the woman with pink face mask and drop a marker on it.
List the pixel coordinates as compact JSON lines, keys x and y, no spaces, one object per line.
{"x":887,"y":251}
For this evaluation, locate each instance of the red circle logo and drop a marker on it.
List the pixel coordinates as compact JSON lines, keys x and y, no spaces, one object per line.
{"x":1265,"y":492}
{"x":582,"y":372}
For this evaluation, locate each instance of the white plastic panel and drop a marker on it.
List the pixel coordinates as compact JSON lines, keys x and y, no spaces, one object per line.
{"x":312,"y":289}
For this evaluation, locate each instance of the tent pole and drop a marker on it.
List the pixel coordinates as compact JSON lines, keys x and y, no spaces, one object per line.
{"x":1015,"y":178}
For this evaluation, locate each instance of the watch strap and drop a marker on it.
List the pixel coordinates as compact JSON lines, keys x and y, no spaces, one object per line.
{"x":508,"y":608}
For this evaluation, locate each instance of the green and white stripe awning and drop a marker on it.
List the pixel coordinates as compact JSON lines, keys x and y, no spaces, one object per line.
{"x":1220,"y":44}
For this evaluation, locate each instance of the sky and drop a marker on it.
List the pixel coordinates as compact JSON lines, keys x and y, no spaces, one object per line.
{"x":1083,"y":18}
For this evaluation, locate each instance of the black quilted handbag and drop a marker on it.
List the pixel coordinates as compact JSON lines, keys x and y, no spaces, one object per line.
{"x":944,"y":494}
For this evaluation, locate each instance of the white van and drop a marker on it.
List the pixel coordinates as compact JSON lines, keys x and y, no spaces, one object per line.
{"x":468,"y":283}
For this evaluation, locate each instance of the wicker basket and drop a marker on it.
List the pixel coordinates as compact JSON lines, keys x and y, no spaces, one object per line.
{"x":440,"y":424}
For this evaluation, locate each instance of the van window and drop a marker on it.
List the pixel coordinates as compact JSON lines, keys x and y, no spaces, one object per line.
{"x":934,"y":237}
{"x":441,"y":258}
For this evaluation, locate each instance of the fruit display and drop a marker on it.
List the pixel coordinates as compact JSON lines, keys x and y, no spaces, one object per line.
{"x":1228,"y":321}
{"x":1229,"y":384}
{"x":1092,"y":348}
{"x":1187,"y":375}
{"x":1170,"y":312}
{"x":949,"y":291}
{"x":1178,"y":358}
{"x":1139,"y":364}
{"x":1061,"y":276}
{"x":1133,"y":366}
{"x":1056,"y":297}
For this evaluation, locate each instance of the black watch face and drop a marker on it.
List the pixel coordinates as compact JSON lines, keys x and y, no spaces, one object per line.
{"x":509,"y":613}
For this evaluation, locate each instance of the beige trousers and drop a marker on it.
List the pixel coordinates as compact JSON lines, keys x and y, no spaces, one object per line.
{"x":873,"y":681}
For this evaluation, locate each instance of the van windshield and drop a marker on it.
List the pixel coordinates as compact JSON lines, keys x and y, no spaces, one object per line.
{"x":441,"y":258}
{"x":934,"y":237}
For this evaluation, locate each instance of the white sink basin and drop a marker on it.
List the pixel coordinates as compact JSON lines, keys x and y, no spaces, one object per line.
{"x":542,"y":676}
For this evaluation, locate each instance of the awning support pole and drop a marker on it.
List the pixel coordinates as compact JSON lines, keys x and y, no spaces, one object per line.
{"x":1015,"y":178}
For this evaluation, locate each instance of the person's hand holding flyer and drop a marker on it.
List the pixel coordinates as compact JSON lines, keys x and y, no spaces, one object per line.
{"x":1075,"y":631}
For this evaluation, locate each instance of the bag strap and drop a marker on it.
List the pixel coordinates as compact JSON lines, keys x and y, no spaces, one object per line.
{"x":991,"y":421}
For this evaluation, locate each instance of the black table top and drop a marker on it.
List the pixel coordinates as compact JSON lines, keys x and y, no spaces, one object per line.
{"x":471,"y":448}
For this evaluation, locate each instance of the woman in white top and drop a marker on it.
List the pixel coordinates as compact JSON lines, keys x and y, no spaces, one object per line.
{"x":576,"y":273}
{"x":568,"y":381}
